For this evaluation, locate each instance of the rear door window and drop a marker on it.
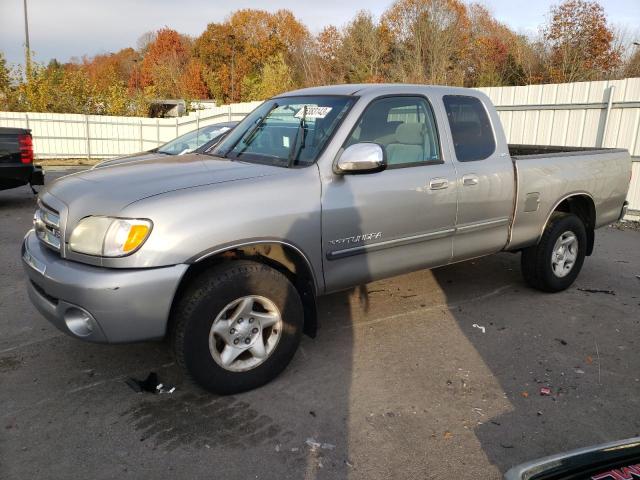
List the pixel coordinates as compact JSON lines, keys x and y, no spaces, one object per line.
{"x":470,"y":128}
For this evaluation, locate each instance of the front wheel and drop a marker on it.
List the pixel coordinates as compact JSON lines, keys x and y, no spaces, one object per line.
{"x":554,"y":263}
{"x":237,"y":326}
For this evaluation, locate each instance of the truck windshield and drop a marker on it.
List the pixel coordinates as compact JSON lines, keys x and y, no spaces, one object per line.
{"x":289,"y":131}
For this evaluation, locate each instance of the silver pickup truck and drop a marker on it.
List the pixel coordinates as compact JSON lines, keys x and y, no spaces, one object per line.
{"x":317,"y":190}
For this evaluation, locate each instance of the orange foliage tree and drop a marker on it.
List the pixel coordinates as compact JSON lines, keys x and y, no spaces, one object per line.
{"x":580,"y":42}
{"x":236,"y":50}
{"x":164,"y":62}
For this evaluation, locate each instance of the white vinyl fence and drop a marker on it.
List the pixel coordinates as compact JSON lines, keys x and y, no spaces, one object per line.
{"x":589,"y":114}
{"x":57,"y":135}
{"x":582,"y":114}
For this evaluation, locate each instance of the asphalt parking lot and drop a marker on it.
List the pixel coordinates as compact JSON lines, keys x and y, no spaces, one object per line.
{"x":435,"y":374}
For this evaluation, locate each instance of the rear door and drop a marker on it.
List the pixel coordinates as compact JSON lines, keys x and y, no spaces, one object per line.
{"x":485,"y":178}
{"x":376,"y":225}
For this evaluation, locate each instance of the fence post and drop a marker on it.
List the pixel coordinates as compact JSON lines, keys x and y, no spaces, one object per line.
{"x":612,"y":89}
{"x":86,"y":131}
{"x":158,"y":131}
{"x":141,"y":141}
{"x":229,"y":112}
{"x":117,"y":124}
{"x":26,"y":120}
{"x":198,"y":120}
{"x":176,"y":127}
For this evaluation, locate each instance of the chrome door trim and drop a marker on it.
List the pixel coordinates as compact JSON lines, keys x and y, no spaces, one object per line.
{"x":373,"y":247}
{"x":474,"y":227}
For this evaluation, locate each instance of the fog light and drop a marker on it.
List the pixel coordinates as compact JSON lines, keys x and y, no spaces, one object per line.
{"x":79,"y":321}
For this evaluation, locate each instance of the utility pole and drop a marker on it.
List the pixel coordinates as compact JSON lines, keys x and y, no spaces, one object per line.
{"x":232,"y":37}
{"x":27,"y":48}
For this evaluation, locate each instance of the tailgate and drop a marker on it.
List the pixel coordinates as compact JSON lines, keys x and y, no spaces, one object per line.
{"x":9,"y":148}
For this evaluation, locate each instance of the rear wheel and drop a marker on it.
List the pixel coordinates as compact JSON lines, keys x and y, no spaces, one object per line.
{"x":237,"y":326}
{"x":554,"y":263}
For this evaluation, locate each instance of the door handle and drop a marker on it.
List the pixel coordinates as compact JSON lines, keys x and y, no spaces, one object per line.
{"x":470,"y":180}
{"x":438,"y":183}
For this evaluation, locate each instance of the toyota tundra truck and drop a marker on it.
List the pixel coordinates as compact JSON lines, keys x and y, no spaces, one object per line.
{"x":318,"y":190}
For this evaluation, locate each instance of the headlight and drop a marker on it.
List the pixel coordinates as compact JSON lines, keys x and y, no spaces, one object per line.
{"x":109,"y":237}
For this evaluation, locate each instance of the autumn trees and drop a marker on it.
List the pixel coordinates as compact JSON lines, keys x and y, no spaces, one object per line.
{"x":254,"y":54}
{"x":580,"y":43}
{"x":249,"y":53}
{"x":5,"y":83}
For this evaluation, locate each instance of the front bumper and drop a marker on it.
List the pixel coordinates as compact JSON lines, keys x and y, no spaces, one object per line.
{"x":37,"y":176}
{"x":15,"y":175}
{"x":124,"y":305}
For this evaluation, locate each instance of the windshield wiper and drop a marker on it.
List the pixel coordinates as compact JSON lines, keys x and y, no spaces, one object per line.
{"x":249,"y":135}
{"x":295,"y":149}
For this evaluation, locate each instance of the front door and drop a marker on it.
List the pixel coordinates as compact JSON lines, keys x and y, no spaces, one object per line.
{"x":485,"y":179}
{"x":377,"y":225}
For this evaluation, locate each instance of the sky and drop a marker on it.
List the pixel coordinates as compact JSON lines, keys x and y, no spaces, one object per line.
{"x":63,"y":29}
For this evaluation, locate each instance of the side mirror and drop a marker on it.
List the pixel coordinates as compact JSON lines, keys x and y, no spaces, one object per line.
{"x":361,"y":158}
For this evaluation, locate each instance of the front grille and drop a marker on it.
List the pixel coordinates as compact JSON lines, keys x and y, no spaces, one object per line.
{"x":46,"y":222}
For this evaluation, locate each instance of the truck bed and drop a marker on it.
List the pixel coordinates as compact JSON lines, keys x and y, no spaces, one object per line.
{"x":521,"y":151}
{"x":546,"y":175}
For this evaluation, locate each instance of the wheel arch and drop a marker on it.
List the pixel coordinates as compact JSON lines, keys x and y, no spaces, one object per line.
{"x":582,"y":205}
{"x":278,"y":254}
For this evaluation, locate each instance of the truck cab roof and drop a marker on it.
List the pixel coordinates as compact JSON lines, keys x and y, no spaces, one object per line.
{"x":376,"y":89}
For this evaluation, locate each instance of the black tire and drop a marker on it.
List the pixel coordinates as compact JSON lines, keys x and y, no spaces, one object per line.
{"x":536,"y":260}
{"x":206,"y":296}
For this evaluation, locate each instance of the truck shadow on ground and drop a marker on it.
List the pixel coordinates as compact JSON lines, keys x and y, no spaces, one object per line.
{"x":398,"y":384}
{"x":578,"y":344}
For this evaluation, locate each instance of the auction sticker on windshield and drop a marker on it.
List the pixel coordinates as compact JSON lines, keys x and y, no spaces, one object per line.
{"x":314,"y":111}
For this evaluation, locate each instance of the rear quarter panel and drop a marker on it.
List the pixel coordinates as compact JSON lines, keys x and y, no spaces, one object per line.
{"x":603,"y":175}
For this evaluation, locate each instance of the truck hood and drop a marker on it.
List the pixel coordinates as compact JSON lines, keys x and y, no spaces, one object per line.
{"x":107,"y":190}
{"x":128,"y":159}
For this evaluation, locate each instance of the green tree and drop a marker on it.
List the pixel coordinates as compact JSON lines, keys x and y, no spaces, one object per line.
{"x":433,"y":38}
{"x":276,"y":77}
{"x":363,"y":50}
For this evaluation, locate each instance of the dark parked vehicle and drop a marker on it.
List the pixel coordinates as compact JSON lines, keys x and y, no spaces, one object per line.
{"x":16,"y":159}
{"x":196,"y":141}
{"x":612,"y":461}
